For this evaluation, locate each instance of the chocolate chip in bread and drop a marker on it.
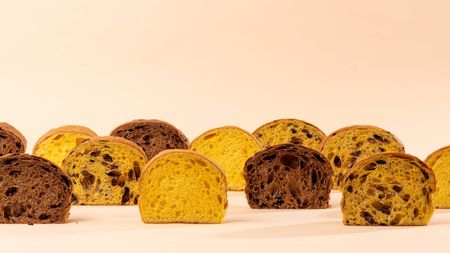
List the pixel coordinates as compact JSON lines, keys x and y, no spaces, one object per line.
{"x":11,"y":140}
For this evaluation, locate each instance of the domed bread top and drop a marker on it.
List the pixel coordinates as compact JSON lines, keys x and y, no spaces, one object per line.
{"x":439,"y":161}
{"x":182,"y":186}
{"x":105,"y":171}
{"x":153,"y":136}
{"x":346,"y":146}
{"x":57,"y":143}
{"x":33,"y":190}
{"x":11,"y":140}
{"x":388,"y":189}
{"x":229,"y":147}
{"x":289,"y":131}
{"x":288,"y":176}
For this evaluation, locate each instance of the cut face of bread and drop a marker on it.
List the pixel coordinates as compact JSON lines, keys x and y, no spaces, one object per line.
{"x":230,"y":147}
{"x":105,"y":171}
{"x":182,"y":186}
{"x":349,"y":145}
{"x":153,"y":136}
{"x":288,"y":176}
{"x":388,"y":189}
{"x":439,"y":161}
{"x":289,"y":131}
{"x":56,"y":144}
{"x":11,"y":140}
{"x":33,"y":190}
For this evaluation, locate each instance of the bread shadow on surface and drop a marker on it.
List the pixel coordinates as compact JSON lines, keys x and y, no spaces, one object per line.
{"x":307,"y":230}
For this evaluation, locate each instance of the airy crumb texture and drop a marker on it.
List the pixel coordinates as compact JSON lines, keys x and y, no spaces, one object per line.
{"x":180,"y":186}
{"x":388,"y":189}
{"x":230,"y":147}
{"x":11,"y":140}
{"x":439,"y":161}
{"x":33,"y":190}
{"x":288,"y":176}
{"x":349,"y":145}
{"x":105,"y":171}
{"x":289,"y":131}
{"x":153,"y":136}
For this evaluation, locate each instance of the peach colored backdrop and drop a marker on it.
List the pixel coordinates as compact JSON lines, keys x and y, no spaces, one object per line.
{"x":203,"y":64}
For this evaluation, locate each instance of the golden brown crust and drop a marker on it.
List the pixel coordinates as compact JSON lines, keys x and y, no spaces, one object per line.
{"x":64,"y":129}
{"x":14,"y":131}
{"x":433,"y":157}
{"x":349,"y":128}
{"x":226,"y":127}
{"x":289,"y":119}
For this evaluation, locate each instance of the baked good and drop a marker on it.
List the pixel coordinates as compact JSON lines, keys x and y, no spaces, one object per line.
{"x":289,"y":131}
{"x":105,"y":171}
{"x":288,"y":176}
{"x":439,"y":162}
{"x":153,"y":136}
{"x":230,"y":147}
{"x":346,"y":146}
{"x":388,"y":189}
{"x":181,"y":186}
{"x":11,"y":140}
{"x":33,"y":190}
{"x":57,"y":143}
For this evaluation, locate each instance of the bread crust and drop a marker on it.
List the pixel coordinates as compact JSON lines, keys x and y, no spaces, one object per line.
{"x":14,"y":131}
{"x":226,"y":127}
{"x":289,"y":119}
{"x":433,"y":157}
{"x":63,"y":129}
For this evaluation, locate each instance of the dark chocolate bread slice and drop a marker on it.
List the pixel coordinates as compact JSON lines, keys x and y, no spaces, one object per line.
{"x":11,"y":140}
{"x":288,"y":176}
{"x":33,"y":190}
{"x":153,"y":136}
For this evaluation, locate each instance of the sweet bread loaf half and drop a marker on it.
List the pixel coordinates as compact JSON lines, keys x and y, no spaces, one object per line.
{"x":11,"y":140}
{"x":229,"y":147}
{"x":288,"y":176}
{"x":153,"y":136}
{"x":181,"y":186}
{"x":105,"y":171}
{"x":439,"y":162}
{"x":33,"y":190}
{"x":346,"y":146}
{"x":289,"y":131}
{"x":57,"y":143}
{"x":388,"y":189}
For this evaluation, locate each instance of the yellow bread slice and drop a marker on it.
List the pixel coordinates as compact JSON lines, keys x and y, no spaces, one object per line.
{"x":348,"y":145}
{"x":230,"y":147}
{"x":57,"y":143}
{"x":105,"y":171}
{"x":388,"y":189}
{"x":289,"y":131}
{"x":181,"y":186}
{"x":439,"y":161}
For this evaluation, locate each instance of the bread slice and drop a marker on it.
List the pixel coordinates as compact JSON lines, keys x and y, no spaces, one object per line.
{"x":153,"y":136}
{"x":289,"y":131}
{"x":348,"y":145}
{"x":439,"y":162}
{"x":288,"y":176}
{"x":388,"y":189}
{"x":11,"y":140}
{"x":57,"y":143}
{"x":33,"y":190}
{"x":105,"y":171}
{"x":230,"y":147}
{"x":181,"y":186}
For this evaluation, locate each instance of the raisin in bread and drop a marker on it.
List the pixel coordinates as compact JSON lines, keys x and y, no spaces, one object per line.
{"x":153,"y":136}
{"x":57,"y":143}
{"x":289,"y":131}
{"x":230,"y":147}
{"x":346,"y":146}
{"x":181,"y":186}
{"x":33,"y":190}
{"x":105,"y":171}
{"x":11,"y":140}
{"x":439,"y":162}
{"x":288,"y":176}
{"x":388,"y":189}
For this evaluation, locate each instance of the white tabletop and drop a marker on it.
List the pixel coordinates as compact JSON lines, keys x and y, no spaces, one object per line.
{"x":119,"y":229}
